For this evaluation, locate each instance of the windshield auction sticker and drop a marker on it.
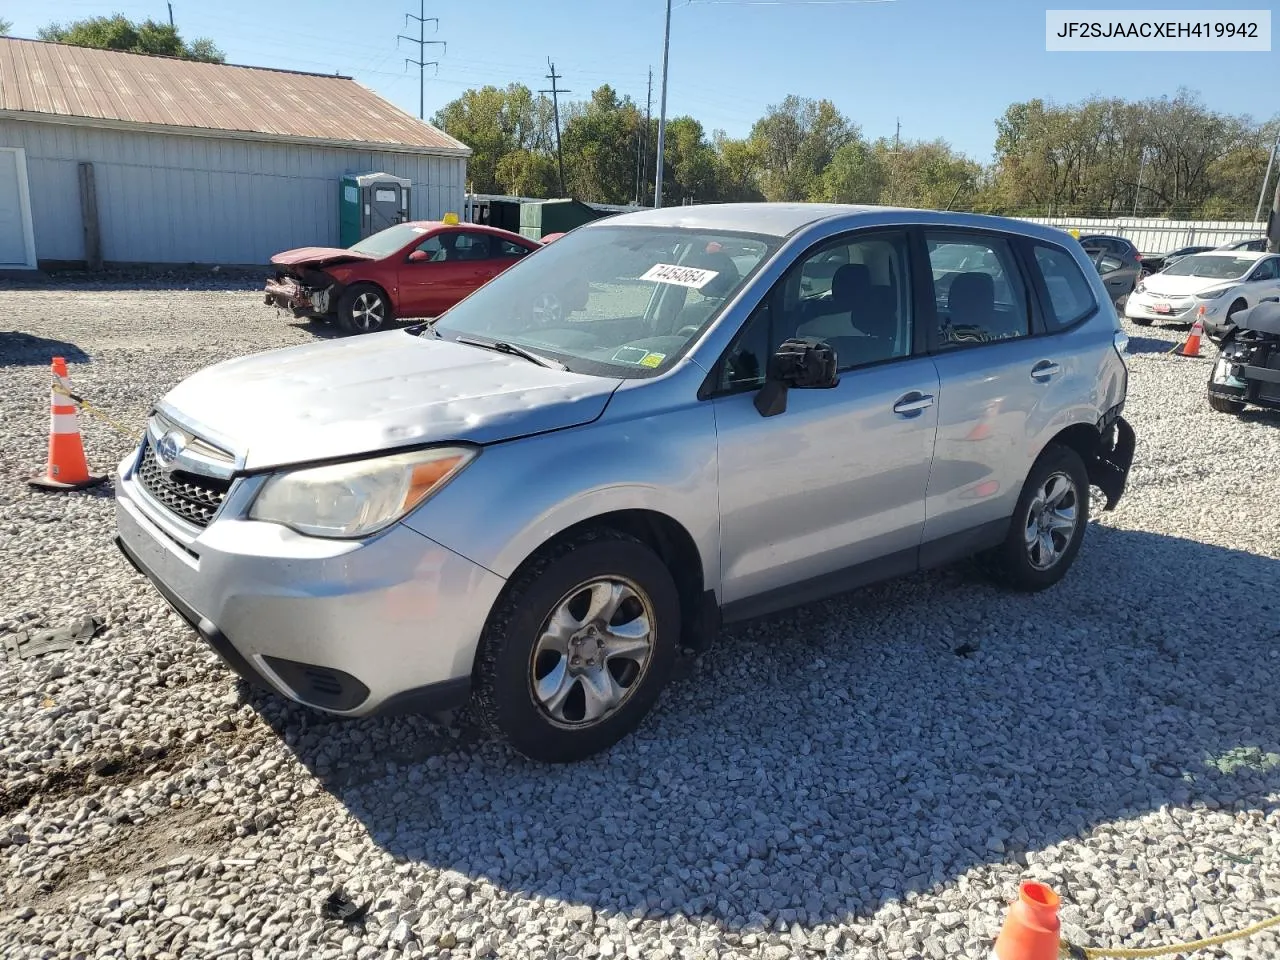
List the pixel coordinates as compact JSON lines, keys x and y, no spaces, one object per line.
{"x":1181,"y":31}
{"x":694,"y":277}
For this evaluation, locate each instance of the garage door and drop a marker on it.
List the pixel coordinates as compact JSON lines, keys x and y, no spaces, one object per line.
{"x":15,"y":228}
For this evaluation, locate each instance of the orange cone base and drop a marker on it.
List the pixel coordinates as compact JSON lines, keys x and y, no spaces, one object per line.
{"x":48,"y":483}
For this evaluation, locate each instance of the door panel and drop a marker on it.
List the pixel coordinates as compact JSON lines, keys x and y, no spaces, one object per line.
{"x":425,"y":286}
{"x":13,"y":226}
{"x":836,"y":480}
{"x":992,"y":413}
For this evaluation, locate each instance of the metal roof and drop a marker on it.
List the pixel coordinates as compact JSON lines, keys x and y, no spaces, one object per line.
{"x":68,"y":84}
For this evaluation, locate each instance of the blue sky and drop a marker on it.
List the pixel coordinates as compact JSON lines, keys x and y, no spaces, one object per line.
{"x":944,"y":67}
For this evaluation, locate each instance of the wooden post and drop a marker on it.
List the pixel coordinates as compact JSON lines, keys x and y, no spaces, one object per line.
{"x":89,"y":215}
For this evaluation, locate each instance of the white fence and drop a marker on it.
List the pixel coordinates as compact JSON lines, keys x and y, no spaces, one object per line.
{"x":1152,"y":235}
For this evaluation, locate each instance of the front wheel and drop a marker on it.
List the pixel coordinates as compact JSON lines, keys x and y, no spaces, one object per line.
{"x":578,"y":647}
{"x":1048,"y":523}
{"x":1238,"y":307}
{"x":363,"y":309}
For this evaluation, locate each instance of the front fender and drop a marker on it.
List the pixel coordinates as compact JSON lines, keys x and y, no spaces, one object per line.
{"x":518,"y":495}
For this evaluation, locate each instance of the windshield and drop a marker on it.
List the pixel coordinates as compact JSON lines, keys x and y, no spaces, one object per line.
{"x":388,"y":241}
{"x":1211,"y":268}
{"x":615,"y":301}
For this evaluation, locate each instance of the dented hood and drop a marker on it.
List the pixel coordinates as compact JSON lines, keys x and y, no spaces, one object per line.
{"x":343,"y":398}
{"x":316,"y":256}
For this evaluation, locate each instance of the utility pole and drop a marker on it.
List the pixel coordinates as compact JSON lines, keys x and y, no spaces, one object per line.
{"x":642,"y":145}
{"x":171,"y":27}
{"x":1137,"y":193}
{"x":1273,"y":223}
{"x":648,"y":114}
{"x":555,"y":92}
{"x":662,"y":112}
{"x":422,"y":42}
{"x":897,"y":135}
{"x":1266,"y":178}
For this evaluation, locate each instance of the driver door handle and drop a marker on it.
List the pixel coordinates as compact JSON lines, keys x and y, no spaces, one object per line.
{"x":912,"y":403}
{"x":1044,"y":371}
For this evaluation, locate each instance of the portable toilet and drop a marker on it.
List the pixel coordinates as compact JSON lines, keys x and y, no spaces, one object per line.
{"x":370,"y":202}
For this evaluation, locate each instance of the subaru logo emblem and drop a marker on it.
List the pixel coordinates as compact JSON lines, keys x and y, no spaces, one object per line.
{"x":170,"y":446}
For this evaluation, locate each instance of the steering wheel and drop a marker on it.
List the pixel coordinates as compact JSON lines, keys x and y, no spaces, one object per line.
{"x":688,"y":331}
{"x":547,"y":310}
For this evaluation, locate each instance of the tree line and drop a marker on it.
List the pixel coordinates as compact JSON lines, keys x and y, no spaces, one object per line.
{"x":1105,"y":156}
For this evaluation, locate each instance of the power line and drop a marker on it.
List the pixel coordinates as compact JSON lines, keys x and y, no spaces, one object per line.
{"x":422,"y":43}
{"x":555,"y":92}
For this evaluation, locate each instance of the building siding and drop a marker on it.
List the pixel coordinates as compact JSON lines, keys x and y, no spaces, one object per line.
{"x":186,"y":199}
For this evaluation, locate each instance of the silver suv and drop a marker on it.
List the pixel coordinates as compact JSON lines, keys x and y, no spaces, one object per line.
{"x":661,"y":422}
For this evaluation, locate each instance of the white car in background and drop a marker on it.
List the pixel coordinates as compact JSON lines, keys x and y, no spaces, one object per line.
{"x":1222,"y":282}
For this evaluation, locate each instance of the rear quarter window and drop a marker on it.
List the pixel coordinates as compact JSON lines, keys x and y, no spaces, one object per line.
{"x":1070,"y":295}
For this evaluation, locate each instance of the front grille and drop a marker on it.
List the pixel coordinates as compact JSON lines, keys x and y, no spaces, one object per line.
{"x":192,"y":497}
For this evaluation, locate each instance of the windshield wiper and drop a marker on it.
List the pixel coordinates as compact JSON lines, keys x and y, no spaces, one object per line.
{"x":427,"y":326}
{"x":510,"y":348}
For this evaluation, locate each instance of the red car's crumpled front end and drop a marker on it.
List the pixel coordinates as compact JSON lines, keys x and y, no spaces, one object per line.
{"x":300,"y":285}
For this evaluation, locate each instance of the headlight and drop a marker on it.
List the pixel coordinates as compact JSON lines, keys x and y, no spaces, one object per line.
{"x":1140,"y":288}
{"x":1212,"y":294}
{"x":358,"y":498}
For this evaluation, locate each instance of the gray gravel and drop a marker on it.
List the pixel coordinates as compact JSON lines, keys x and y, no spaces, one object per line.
{"x":836,"y":781}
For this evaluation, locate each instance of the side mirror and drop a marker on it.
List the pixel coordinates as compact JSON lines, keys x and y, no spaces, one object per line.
{"x":801,"y":364}
{"x":419,"y":256}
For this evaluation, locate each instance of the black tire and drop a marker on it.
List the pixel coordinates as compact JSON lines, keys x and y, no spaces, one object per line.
{"x":1012,"y":563}
{"x":1235,"y":308}
{"x":508,"y":662}
{"x":364,"y":308}
{"x":1225,"y":404}
{"x":1141,"y":321}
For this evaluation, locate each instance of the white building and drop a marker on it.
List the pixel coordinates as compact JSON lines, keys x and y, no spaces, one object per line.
{"x":151,"y":160}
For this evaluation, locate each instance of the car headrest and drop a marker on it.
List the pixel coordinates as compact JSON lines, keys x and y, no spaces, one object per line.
{"x":850,"y":282}
{"x":971,"y":295}
{"x":726,"y":277}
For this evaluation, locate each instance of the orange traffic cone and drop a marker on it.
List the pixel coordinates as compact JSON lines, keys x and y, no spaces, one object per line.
{"x":1031,"y":931}
{"x":67,"y":469}
{"x":1192,"y":347}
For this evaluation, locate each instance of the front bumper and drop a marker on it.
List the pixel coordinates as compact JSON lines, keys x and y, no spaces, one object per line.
{"x":288,"y":294}
{"x":387,"y":624}
{"x":1144,"y":306}
{"x":1246,"y":383}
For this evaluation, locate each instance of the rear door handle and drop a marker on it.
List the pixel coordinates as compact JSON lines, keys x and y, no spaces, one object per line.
{"x":1045,"y":370}
{"x":912,"y":404}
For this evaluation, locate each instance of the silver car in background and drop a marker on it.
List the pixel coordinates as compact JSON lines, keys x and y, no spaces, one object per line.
{"x":663,"y":421}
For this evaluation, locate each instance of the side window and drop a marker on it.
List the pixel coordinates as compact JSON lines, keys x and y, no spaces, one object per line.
{"x":854,"y":294}
{"x":747,"y":360}
{"x":1070,"y":296}
{"x":433,"y":248}
{"x":1108,"y":264}
{"x":1267,"y":270}
{"x":978,"y":289}
{"x":471,"y":246}
{"x":508,"y":248}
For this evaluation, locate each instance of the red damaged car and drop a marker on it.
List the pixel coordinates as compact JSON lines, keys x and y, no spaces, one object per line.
{"x":417,"y":269}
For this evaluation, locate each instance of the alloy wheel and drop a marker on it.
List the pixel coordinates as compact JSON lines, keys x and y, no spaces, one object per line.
{"x":1051,"y":520}
{"x":368,"y":312}
{"x":592,"y":652}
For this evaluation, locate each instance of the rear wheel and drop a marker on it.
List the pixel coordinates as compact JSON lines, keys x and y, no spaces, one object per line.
{"x":1225,"y":404}
{"x":364,"y":309}
{"x":1048,"y":523}
{"x":578,"y":647}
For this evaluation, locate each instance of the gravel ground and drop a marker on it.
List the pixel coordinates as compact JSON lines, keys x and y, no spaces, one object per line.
{"x":867,"y":777}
